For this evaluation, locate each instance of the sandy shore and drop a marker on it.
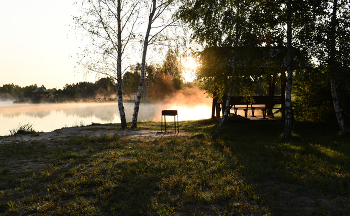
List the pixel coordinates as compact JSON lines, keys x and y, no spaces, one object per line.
{"x":92,"y":130}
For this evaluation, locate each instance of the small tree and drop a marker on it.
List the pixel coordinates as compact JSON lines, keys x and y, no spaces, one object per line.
{"x":172,"y":67}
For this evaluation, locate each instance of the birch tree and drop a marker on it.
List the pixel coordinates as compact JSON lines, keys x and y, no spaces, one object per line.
{"x":327,"y":35}
{"x":287,"y":131}
{"x":333,"y":65}
{"x":111,"y":26}
{"x":157,"y":9}
{"x":225,"y":114}
{"x":291,"y":19}
{"x":320,"y":28}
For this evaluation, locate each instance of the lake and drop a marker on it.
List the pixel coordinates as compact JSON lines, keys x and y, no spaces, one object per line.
{"x":49,"y":117}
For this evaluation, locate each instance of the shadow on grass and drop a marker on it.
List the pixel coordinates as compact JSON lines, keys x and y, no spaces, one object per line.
{"x":113,"y":175}
{"x":249,"y":170}
{"x":314,"y":164}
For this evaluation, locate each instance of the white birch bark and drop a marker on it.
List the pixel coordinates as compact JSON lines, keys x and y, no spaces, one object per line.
{"x":119,"y":71}
{"x":227,"y":108}
{"x":287,"y":132}
{"x":144,"y":54}
{"x":337,"y":109}
{"x":332,"y":62}
{"x":225,"y":114}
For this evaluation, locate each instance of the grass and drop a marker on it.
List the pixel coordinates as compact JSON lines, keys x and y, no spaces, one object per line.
{"x":23,"y":129}
{"x":248,"y":171}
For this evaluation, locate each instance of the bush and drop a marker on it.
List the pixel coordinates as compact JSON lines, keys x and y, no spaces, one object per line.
{"x":312,"y":100}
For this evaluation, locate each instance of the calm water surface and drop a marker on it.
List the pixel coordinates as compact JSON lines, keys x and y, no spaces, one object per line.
{"x":49,"y":117}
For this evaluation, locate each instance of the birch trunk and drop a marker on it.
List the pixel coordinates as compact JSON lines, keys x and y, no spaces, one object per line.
{"x":145,"y":45}
{"x":337,"y":109}
{"x":121,"y":106}
{"x":333,"y":67}
{"x":287,"y":132}
{"x":227,"y":108}
{"x":119,"y":71}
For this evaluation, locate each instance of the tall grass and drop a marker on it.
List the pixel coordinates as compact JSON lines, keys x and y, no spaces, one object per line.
{"x":23,"y":129}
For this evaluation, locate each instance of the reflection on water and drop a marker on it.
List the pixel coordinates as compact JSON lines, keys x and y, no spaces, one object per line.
{"x":48,"y":117}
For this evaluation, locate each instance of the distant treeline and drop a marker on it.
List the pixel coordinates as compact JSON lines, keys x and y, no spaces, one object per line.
{"x":12,"y":91}
{"x":156,"y":87}
{"x":104,"y":87}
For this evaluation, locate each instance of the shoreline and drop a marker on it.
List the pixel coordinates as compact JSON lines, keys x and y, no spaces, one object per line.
{"x":63,"y":134}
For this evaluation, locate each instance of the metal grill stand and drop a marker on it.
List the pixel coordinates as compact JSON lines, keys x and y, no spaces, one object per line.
{"x":169,"y":113}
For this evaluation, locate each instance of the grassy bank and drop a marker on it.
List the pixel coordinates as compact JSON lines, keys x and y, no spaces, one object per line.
{"x":249,"y":170}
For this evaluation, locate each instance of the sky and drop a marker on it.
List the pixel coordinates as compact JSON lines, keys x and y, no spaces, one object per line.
{"x":38,"y":43}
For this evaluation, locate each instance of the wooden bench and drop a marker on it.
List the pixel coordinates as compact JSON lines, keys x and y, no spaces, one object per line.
{"x":245,"y":109}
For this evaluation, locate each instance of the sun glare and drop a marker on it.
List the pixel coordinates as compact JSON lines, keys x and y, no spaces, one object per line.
{"x":190,"y":66}
{"x":191,"y":63}
{"x":193,"y":113}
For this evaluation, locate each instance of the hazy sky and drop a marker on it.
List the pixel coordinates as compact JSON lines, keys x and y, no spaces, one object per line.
{"x":36,"y":42}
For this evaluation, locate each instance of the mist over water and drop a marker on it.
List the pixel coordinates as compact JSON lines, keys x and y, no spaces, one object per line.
{"x":191,"y":105}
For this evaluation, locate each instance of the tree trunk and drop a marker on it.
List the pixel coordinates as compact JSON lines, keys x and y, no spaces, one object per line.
{"x":283,"y":94}
{"x":338,"y":113}
{"x":227,"y":108}
{"x":333,"y":67}
{"x":287,"y":132}
{"x":215,"y":101}
{"x":119,"y":71}
{"x":145,"y":45}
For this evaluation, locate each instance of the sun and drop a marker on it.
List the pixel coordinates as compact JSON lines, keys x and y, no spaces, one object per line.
{"x":190,"y":65}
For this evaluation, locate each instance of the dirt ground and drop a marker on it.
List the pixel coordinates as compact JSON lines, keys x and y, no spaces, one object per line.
{"x":92,"y":130}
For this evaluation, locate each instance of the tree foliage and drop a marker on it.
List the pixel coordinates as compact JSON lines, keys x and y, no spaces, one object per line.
{"x":130,"y":81}
{"x":171,"y":68}
{"x":12,"y":91}
{"x":161,"y":81}
{"x":255,"y":66}
{"x":312,"y":100}
{"x":103,"y":23}
{"x":251,"y":31}
{"x":219,"y":23}
{"x":317,"y":30}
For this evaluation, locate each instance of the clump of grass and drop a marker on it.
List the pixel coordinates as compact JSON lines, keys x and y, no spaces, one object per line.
{"x":23,"y":129}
